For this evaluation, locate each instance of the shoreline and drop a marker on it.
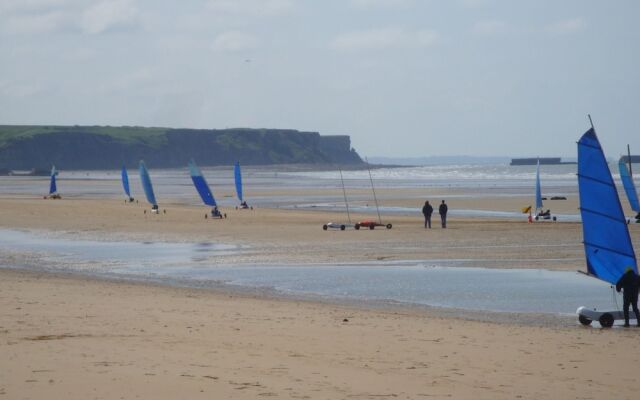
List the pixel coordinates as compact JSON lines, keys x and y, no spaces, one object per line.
{"x":536,"y":319}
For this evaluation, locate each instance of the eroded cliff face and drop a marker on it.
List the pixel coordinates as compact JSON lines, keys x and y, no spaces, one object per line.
{"x":78,"y":149}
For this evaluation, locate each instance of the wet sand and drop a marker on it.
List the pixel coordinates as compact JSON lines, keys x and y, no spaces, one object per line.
{"x":296,"y":236}
{"x":74,"y":337}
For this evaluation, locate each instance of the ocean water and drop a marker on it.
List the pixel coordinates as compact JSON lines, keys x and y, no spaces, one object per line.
{"x":478,"y":180}
{"x":468,"y":181}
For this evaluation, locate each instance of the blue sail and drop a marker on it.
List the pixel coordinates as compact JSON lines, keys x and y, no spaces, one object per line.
{"x":607,"y":244}
{"x":538,"y":190}
{"x":201,"y":185}
{"x":146,"y":184}
{"x":125,"y":181}
{"x":52,"y":186}
{"x":629,"y":187}
{"x":238,"y":177}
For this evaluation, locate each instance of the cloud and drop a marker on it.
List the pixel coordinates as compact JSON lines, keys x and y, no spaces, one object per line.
{"x":474,"y":3}
{"x":380,"y":3}
{"x":19,"y":89}
{"x":136,"y":79}
{"x":49,"y":16}
{"x":256,"y":8}
{"x":490,"y":27}
{"x":567,"y":26}
{"x":389,"y":38}
{"x":52,"y":21}
{"x":8,"y":7}
{"x":107,"y":15}
{"x":234,"y":41}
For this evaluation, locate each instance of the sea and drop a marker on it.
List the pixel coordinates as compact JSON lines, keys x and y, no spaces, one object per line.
{"x":430,"y":283}
{"x":468,"y":181}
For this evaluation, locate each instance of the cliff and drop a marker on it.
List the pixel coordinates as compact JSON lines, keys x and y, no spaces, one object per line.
{"x":94,"y":147}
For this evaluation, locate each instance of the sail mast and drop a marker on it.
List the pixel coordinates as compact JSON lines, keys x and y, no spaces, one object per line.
{"x":344,"y":192}
{"x":375,"y":199}
{"x":629,"y":161}
{"x":538,"y":189}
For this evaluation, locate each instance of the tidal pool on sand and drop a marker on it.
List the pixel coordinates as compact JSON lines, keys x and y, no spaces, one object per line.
{"x":433,"y":283}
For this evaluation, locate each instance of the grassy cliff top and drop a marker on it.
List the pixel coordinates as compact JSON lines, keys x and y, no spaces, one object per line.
{"x":122,"y":133}
{"x":125,"y":134}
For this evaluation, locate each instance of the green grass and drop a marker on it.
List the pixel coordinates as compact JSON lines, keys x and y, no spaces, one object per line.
{"x":126,"y":134}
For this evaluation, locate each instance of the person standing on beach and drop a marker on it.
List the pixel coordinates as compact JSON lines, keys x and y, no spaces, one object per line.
{"x":443,"y":214}
{"x":629,"y":283}
{"x":427,"y":210}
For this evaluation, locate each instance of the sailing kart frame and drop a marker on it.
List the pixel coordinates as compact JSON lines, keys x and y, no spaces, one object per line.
{"x":371,"y":224}
{"x":605,"y":318}
{"x":340,"y":226}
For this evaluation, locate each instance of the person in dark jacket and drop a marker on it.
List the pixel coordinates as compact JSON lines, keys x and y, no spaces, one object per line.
{"x":629,"y":283}
{"x":427,"y":210}
{"x":443,"y":214}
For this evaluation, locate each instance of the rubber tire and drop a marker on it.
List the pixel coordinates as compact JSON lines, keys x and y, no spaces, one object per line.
{"x":372,"y":227}
{"x":389,"y":226}
{"x":537,"y":218}
{"x":342,"y":227}
{"x":357,"y":226}
{"x":584,"y":320}
{"x":554,"y":219}
{"x":325,"y":227}
{"x":606,"y":320}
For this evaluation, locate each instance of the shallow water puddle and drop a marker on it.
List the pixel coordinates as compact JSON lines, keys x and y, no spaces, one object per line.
{"x":433,"y":283}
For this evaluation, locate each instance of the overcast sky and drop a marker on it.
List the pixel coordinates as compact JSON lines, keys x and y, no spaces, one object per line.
{"x":403,"y":78}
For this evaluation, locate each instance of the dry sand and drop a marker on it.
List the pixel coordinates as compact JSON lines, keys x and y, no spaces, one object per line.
{"x":79,"y":338}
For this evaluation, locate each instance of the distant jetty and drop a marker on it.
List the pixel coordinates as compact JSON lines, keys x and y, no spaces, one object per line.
{"x":543,"y":161}
{"x":635,"y":159}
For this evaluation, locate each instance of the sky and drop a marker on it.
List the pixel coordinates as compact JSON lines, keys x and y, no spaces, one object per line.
{"x":403,"y":78}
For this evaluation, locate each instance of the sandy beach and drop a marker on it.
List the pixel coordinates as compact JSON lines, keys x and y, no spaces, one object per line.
{"x":277,"y":235}
{"x":75,"y":337}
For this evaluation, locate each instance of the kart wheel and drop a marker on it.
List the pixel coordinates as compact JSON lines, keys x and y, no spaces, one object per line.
{"x":584,"y":320}
{"x":342,"y":227}
{"x":372,"y":227}
{"x":537,"y":218}
{"x":388,"y":226}
{"x":325,"y":227}
{"x":554,"y":219}
{"x":357,"y":226}
{"x":606,"y":320}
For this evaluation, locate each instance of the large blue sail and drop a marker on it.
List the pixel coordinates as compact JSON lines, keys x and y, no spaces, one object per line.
{"x":238,"y":177}
{"x":201,"y":184}
{"x":52,"y":186}
{"x":538,"y":190}
{"x":607,"y":244}
{"x":125,"y":181}
{"x":146,"y":184}
{"x":629,"y":187}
